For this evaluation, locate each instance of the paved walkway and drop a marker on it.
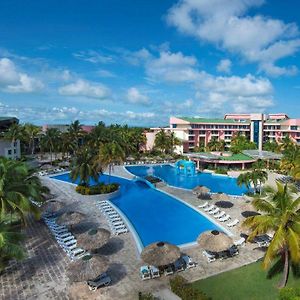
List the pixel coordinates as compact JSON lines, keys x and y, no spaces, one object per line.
{"x":42,"y":274}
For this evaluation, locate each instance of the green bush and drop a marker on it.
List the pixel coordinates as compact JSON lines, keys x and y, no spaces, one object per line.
{"x":100,"y":188}
{"x":185,"y":291}
{"x":146,"y":296}
{"x":220,"y":171}
{"x":289,"y":294}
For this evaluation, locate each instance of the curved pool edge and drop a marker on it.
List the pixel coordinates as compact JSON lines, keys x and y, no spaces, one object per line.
{"x":177,"y":187}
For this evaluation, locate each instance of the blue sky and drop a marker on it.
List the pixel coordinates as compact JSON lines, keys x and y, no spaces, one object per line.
{"x":138,"y":62}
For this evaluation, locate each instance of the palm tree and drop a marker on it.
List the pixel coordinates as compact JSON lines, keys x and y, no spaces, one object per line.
{"x":258,"y":177}
{"x":83,"y":167}
{"x":291,"y":158}
{"x":10,"y":246}
{"x":108,"y":155}
{"x":244,"y":179}
{"x":240,"y":143}
{"x":286,"y":142}
{"x":161,"y":140}
{"x":173,"y":142}
{"x":75,"y":132}
{"x":15,"y":132}
{"x":280,"y":214}
{"x":18,"y":187}
{"x":31,"y":132}
{"x":51,"y":140}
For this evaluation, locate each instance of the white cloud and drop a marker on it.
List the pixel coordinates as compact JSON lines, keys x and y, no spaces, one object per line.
{"x":14,"y":81}
{"x":225,"y":24}
{"x":106,"y":73}
{"x":134,"y":96}
{"x":86,"y":89}
{"x":94,"y":57}
{"x":224,"y":65}
{"x":172,"y":67}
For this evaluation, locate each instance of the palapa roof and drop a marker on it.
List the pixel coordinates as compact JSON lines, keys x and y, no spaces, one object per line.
{"x":93,"y":239}
{"x":214,"y":241}
{"x":160,"y":254}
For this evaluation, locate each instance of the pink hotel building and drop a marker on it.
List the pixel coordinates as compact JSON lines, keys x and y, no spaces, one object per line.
{"x":259,"y":128}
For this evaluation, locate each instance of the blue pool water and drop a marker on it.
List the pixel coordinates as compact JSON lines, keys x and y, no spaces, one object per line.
{"x":168,"y":173}
{"x":156,"y":216}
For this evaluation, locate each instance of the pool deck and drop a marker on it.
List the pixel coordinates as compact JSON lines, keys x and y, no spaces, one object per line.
{"x":42,"y":274}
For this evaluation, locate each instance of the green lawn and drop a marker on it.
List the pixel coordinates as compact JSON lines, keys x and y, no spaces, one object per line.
{"x":245,"y":283}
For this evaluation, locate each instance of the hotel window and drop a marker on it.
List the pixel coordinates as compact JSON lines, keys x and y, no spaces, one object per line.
{"x":174,"y":125}
{"x":191,"y":132}
{"x":9,"y":152}
{"x":294,"y":127}
{"x":191,"y":138}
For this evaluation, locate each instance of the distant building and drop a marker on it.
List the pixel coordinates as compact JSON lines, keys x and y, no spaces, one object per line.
{"x":65,"y":127}
{"x":259,"y":128}
{"x":7,"y":148}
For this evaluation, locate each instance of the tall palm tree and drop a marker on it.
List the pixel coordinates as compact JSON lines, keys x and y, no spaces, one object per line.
{"x":10,"y":245}
{"x":291,"y":158}
{"x":280,"y":214}
{"x":161,"y":140}
{"x":75,"y":132}
{"x":108,"y":155}
{"x":173,"y":142}
{"x":18,"y":187}
{"x":83,"y":167}
{"x":244,"y":179}
{"x":15,"y":132}
{"x":31,"y":133}
{"x":51,"y":141}
{"x":240,"y":143}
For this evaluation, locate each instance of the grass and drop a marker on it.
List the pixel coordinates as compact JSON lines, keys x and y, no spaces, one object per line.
{"x":245,"y":283}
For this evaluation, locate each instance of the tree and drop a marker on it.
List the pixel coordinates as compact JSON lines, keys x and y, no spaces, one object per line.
{"x":18,"y":187}
{"x":10,"y":245}
{"x":215,"y":145}
{"x":31,"y":133}
{"x":271,"y":146}
{"x":240,"y":143}
{"x":285,"y":143}
{"x":51,"y":140}
{"x":280,"y":214}
{"x":161,"y":140}
{"x":15,"y":132}
{"x":108,"y":155}
{"x":83,"y":167}
{"x":244,"y":179}
{"x":172,"y":142}
{"x":75,"y":132}
{"x":291,"y":158}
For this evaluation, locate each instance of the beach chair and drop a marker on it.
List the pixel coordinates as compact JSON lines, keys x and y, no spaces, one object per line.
{"x":233,"y":223}
{"x":145,"y":273}
{"x":225,"y":218}
{"x":209,"y":208}
{"x":77,"y":253}
{"x":116,"y":223}
{"x":189,"y":262}
{"x":62,"y":235}
{"x":220,"y":214}
{"x":154,"y":272}
{"x":101,"y":280}
{"x":179,"y":265}
{"x":240,"y":242}
{"x":209,"y":256}
{"x":168,"y":270}
{"x":120,"y":231}
{"x":214,"y":211}
{"x":203,"y":205}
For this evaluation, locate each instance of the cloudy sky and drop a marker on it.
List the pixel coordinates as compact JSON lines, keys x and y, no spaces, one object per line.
{"x":138,"y":62}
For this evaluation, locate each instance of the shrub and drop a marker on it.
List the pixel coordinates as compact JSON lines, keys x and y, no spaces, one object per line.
{"x":289,"y":294}
{"x":100,"y":188}
{"x":185,"y":291}
{"x":220,"y":171}
{"x":146,"y":296}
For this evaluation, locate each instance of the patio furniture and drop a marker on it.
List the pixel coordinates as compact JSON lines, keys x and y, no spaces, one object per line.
{"x":225,"y":218}
{"x":209,"y":208}
{"x":100,"y":281}
{"x":145,"y":273}
{"x":189,"y":262}
{"x":154,"y":272}
{"x":203,"y":205}
{"x":233,"y":223}
{"x":209,"y":256}
{"x":240,"y":242}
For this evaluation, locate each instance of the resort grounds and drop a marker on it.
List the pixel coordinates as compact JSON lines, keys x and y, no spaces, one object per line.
{"x":42,"y":274}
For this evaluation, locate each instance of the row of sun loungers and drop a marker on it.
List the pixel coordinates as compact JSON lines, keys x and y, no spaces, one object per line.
{"x":65,"y":239}
{"x":50,"y":172}
{"x":221,"y":216}
{"x":183,"y":263}
{"x":211,"y":256}
{"x":288,"y":179}
{"x":128,"y":163}
{"x":114,"y":220}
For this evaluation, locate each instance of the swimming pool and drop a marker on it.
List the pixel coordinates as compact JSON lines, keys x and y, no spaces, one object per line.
{"x":154,"y":215}
{"x":168,"y":173}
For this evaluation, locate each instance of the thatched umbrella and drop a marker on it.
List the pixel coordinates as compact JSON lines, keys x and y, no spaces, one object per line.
{"x":214,"y":241}
{"x":220,"y":197}
{"x":224,"y":204}
{"x":87,"y":268}
{"x":52,"y":206}
{"x":160,"y":254}
{"x":201,"y":189}
{"x":93,"y":239}
{"x":70,"y":218}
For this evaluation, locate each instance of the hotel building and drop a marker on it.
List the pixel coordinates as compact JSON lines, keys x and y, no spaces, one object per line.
{"x":259,"y":128}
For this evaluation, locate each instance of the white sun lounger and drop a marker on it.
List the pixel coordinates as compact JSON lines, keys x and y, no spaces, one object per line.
{"x":240,"y":242}
{"x":117,"y":223}
{"x":233,"y":223}
{"x":120,"y":231}
{"x":209,"y":208}
{"x":210,"y":257}
{"x":112,"y":214}
{"x":123,"y":226}
{"x":220,"y":214}
{"x":203,"y":205}
{"x":62,"y":235}
{"x":77,"y":253}
{"x":214,"y":211}
{"x":154,"y":272}
{"x":112,"y":219}
{"x":66,"y":239}
{"x":225,"y":218}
